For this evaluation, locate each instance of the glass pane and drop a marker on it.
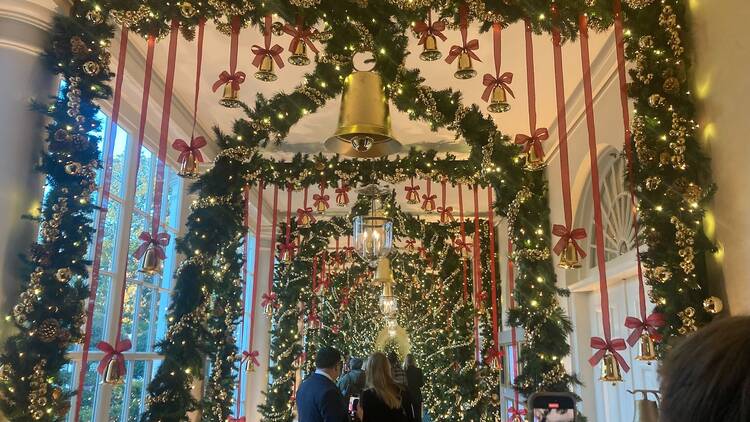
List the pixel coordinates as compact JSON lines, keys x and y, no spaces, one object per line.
{"x":119,"y":162}
{"x":144,"y":321}
{"x":162,"y":304}
{"x":118,"y":391}
{"x":138,"y":386}
{"x":173,"y":193}
{"x":101,"y":311}
{"x":111,"y":229}
{"x":90,"y":392}
{"x":144,"y":185}
{"x":99,"y":132}
{"x":169,"y":264}
{"x":128,"y":310}
{"x":139,"y":224}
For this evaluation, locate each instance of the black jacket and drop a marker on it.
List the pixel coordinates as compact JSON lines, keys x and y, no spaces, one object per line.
{"x":319,"y":400}
{"x":414,"y":383}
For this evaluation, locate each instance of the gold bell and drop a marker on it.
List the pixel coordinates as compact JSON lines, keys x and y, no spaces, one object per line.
{"x":647,"y":349}
{"x":534,"y":161}
{"x":150,"y":263}
{"x":364,"y":128}
{"x":188,"y":167}
{"x":465,"y":68}
{"x":231,"y":96}
{"x":321,"y":207}
{"x":383,"y":273}
{"x":112,"y":374}
{"x":265,"y":71}
{"x":569,"y":259}
{"x":299,"y":57}
{"x":610,"y":369}
{"x":430,"y":52}
{"x":498,"y":101}
{"x":517,"y":418}
{"x":250,"y":367}
{"x":269,"y":309}
{"x":304,"y":221}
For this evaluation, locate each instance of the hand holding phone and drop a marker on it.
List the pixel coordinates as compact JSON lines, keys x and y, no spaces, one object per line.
{"x":552,"y":407}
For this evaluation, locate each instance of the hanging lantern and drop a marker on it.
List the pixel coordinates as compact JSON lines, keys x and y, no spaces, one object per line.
{"x":373,"y":233}
{"x":388,"y":303}
{"x":231,"y":96}
{"x":647,"y":349}
{"x":610,"y":369}
{"x":499,"y":100}
{"x":569,"y":259}
{"x":465,"y":67}
{"x":150,"y":263}
{"x":364,"y":129}
{"x":113,"y":374}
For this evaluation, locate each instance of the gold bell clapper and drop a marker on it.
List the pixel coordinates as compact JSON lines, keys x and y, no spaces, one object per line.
{"x":610,"y":369}
{"x":569,"y":259}
{"x":364,"y":129}
{"x":231,"y":97}
{"x":299,"y":55}
{"x":266,"y":71}
{"x":498,"y":101}
{"x":465,"y":67}
{"x":430,"y":51}
{"x":112,"y":373}
{"x":646,"y":410}
{"x":647,"y":351}
{"x":150,"y":263}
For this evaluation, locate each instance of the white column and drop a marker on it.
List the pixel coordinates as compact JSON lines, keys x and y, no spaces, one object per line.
{"x":24,"y":33}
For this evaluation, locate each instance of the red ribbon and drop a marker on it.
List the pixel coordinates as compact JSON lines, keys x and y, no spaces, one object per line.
{"x":466,"y":47}
{"x":233,"y":419}
{"x":422,"y":252}
{"x":533,"y":141}
{"x":236,"y":78}
{"x":651,"y":325}
{"x":194,"y":148}
{"x":493,"y":355}
{"x":512,"y":411}
{"x":446,"y":214}
{"x":269,"y":299}
{"x":566,"y":235}
{"x":267,"y":50}
{"x":319,"y":199}
{"x":412,"y":192}
{"x":232,"y":75}
{"x":251,"y":357}
{"x":115,"y":353}
{"x":425,"y":29}
{"x":300,"y":34}
{"x":410,"y":245}
{"x":491,"y":82}
{"x":342,"y":194}
{"x":602,"y":346}
{"x":305,"y":212}
{"x":428,"y":200}
{"x":462,"y":244}
{"x":287,"y":249}
{"x":160,"y":241}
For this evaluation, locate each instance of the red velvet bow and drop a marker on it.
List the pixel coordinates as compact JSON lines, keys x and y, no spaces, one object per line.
{"x":287,"y":248}
{"x":462,"y":244}
{"x":493,"y":355}
{"x":115,"y":353}
{"x":467,"y":48}
{"x":269,"y":299}
{"x":425,"y":29}
{"x":251,"y":357}
{"x":533,"y":141}
{"x":318,"y":199}
{"x":159,"y":241}
{"x":502,"y":81}
{"x":651,"y":325}
{"x":446,"y":214}
{"x":422,"y":252}
{"x":194,"y":148}
{"x":602,"y":347}
{"x":566,"y":235}
{"x":412,"y":193}
{"x":233,"y":419}
{"x":305,"y":212}
{"x":236,"y":78}
{"x":299,"y":33}
{"x":428,"y":200}
{"x":512,"y":411}
{"x":342,"y":194}
{"x":335,"y":329}
{"x":410,"y":245}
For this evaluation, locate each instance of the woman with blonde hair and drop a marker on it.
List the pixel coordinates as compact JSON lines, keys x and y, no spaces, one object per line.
{"x":383,"y":400}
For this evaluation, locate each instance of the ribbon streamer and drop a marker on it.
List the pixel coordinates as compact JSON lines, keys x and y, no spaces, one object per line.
{"x":513,"y":332}
{"x":198,"y":68}
{"x":477,"y":276}
{"x":467,"y":47}
{"x":498,"y":80}
{"x":462,"y":231}
{"x":261,"y":52}
{"x":113,"y":352}
{"x":300,"y":34}
{"x":271,"y":255}
{"x":425,"y":29}
{"x":233,"y":76}
{"x":493,"y":270}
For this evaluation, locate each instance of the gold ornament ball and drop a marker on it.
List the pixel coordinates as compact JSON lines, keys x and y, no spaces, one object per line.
{"x":91,"y":68}
{"x":653,"y":182}
{"x":638,"y":4}
{"x":48,"y":330}
{"x":73,"y":168}
{"x":671,"y":85}
{"x":95,"y":16}
{"x":187,"y":9}
{"x":63,"y":275}
{"x":713,"y":305}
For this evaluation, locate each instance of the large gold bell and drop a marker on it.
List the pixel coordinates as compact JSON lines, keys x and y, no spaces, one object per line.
{"x":150,"y":263}
{"x":430,"y":52}
{"x":647,"y":349}
{"x":534,"y":161}
{"x":383,"y":273}
{"x":610,"y":369}
{"x":231,"y":96}
{"x":569,"y":258}
{"x":189,"y":167}
{"x":364,"y":129}
{"x":112,"y":374}
{"x":299,"y":56}
{"x":498,"y":101}
{"x":265,"y":71}
{"x":465,"y":67}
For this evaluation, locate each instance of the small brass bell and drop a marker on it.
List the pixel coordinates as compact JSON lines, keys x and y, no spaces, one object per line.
{"x":231,"y":96}
{"x":250,"y":367}
{"x":269,"y":309}
{"x":465,"y":67}
{"x":188,"y":167}
{"x":430,"y":52}
{"x":647,"y":349}
{"x":299,"y":57}
{"x":498,"y":101}
{"x":610,"y":369}
{"x":321,"y":207}
{"x":112,"y":374}
{"x":534,"y":161}
{"x":305,"y":221}
{"x":150,"y":263}
{"x":265,"y":71}
{"x":569,"y":258}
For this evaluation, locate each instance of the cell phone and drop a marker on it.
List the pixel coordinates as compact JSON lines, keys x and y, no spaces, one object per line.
{"x":353,"y":402}
{"x":552,"y":407}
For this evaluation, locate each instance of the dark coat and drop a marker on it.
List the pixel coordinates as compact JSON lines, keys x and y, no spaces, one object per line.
{"x":319,"y":400}
{"x":414,"y":383}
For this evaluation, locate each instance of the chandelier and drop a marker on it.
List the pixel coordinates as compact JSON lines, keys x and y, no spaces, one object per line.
{"x":373,"y":233}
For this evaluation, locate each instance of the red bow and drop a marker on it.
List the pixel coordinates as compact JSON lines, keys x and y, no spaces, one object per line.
{"x":446,"y":214}
{"x":335,"y":329}
{"x":410,"y":245}
{"x":512,"y":411}
{"x":194,"y":148}
{"x":251,"y":357}
{"x":113,"y":353}
{"x":344,"y":297}
{"x":287,"y":249}
{"x":533,"y":141}
{"x":566,"y":235}
{"x":493,"y":355}
{"x":425,"y":29}
{"x":299,"y":33}
{"x":349,"y":251}
{"x":651,"y":325}
{"x":502,"y":81}
{"x":602,"y":347}
{"x":422,"y":252}
{"x":267,"y":50}
{"x":305,"y":212}
{"x":412,"y":193}
{"x":159,"y":241}
{"x":268,"y":299}
{"x":236,"y":78}
{"x":428,"y":200}
{"x":467,"y":48}
{"x":232,"y":419}
{"x":320,"y":199}
{"x":462,"y":244}
{"x":342,"y":194}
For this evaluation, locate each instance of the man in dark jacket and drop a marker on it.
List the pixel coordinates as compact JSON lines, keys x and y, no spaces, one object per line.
{"x":318,"y":398}
{"x":353,"y":382}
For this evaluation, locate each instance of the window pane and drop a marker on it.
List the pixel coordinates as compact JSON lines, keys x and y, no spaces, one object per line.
{"x":101,"y":311}
{"x":111,"y":228}
{"x":162,"y":305}
{"x":139,"y":224}
{"x":144,"y":186}
{"x":165,"y":279}
{"x":119,"y":162}
{"x":172,"y":193}
{"x":144,"y":320}
{"x":138,"y":384}
{"x":90,"y":392}
{"x":128,"y":311}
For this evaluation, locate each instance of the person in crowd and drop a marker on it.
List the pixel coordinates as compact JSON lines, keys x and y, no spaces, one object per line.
{"x":383,"y":400}
{"x":706,"y":377}
{"x":414,"y":383}
{"x":353,"y":382}
{"x":398,"y":374}
{"x":318,"y":397}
